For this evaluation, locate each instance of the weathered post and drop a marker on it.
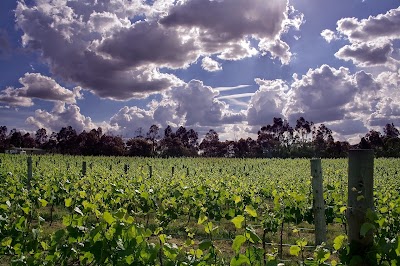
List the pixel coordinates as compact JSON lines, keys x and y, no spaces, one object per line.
{"x":172,"y":171}
{"x":29,"y":161}
{"x":150,"y":171}
{"x":83,"y":168}
{"x":318,"y":201}
{"x":360,"y":199}
{"x":126,"y":167}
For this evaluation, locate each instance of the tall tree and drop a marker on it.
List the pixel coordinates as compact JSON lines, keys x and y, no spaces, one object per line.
{"x":3,"y":138}
{"x":322,"y":136}
{"x":168,"y":132}
{"x":210,"y":144}
{"x":139,"y":147}
{"x":267,"y":141}
{"x":139,"y":133}
{"x":66,"y":141}
{"x":152,"y":136}
{"x":303,"y":129}
{"x":112,"y":146}
{"x":89,"y":142}
{"x":192,"y":138}
{"x":391,"y":131}
{"x":15,"y":138}
{"x":28,"y":141}
{"x":41,"y":137}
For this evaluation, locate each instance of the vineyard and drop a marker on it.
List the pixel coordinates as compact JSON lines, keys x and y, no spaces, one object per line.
{"x":142,"y":211}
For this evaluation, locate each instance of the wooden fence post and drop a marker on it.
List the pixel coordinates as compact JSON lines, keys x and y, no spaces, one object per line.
{"x":318,"y":201}
{"x":360,"y":199}
{"x":126,"y":167}
{"x":29,"y":161}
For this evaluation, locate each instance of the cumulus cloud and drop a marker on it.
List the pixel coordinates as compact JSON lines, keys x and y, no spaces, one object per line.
{"x":50,"y":25}
{"x":277,"y":49}
{"x":348,"y":127}
{"x":197,"y":103}
{"x":241,"y":18}
{"x":371,"y":40}
{"x":321,"y":94}
{"x":10,"y":97}
{"x":62,"y":115}
{"x":193,"y":105}
{"x":329,"y":35}
{"x":150,"y":43}
{"x":388,"y":106}
{"x":257,"y":19}
{"x":267,"y":102}
{"x":37,"y":86}
{"x":367,"y":54}
{"x":348,"y":103}
{"x":372,"y":43}
{"x":117,"y":48}
{"x":384,"y":26}
{"x":129,"y":119}
{"x":210,"y":64}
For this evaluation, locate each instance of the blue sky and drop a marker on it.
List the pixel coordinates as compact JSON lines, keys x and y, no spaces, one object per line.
{"x":227,"y":65}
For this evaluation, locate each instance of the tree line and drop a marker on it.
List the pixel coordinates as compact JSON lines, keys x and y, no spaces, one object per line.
{"x":276,"y":140}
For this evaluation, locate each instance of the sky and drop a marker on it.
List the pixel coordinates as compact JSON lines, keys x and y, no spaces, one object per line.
{"x":227,"y":65}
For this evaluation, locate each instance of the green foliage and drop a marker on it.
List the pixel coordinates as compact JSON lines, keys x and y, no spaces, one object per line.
{"x":113,"y":217}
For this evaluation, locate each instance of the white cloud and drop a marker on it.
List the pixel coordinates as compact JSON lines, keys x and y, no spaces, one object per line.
{"x":384,"y":26}
{"x":236,"y":96}
{"x":197,"y":103}
{"x":267,"y":102}
{"x":321,"y":94}
{"x":210,"y":65}
{"x":371,"y":40}
{"x":116,"y":48}
{"x":10,"y":97}
{"x":278,"y":49}
{"x":193,"y":105}
{"x":37,"y":86}
{"x":231,"y":88}
{"x":348,"y":127}
{"x":368,"y":54}
{"x":62,"y":115}
{"x":329,"y":35}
